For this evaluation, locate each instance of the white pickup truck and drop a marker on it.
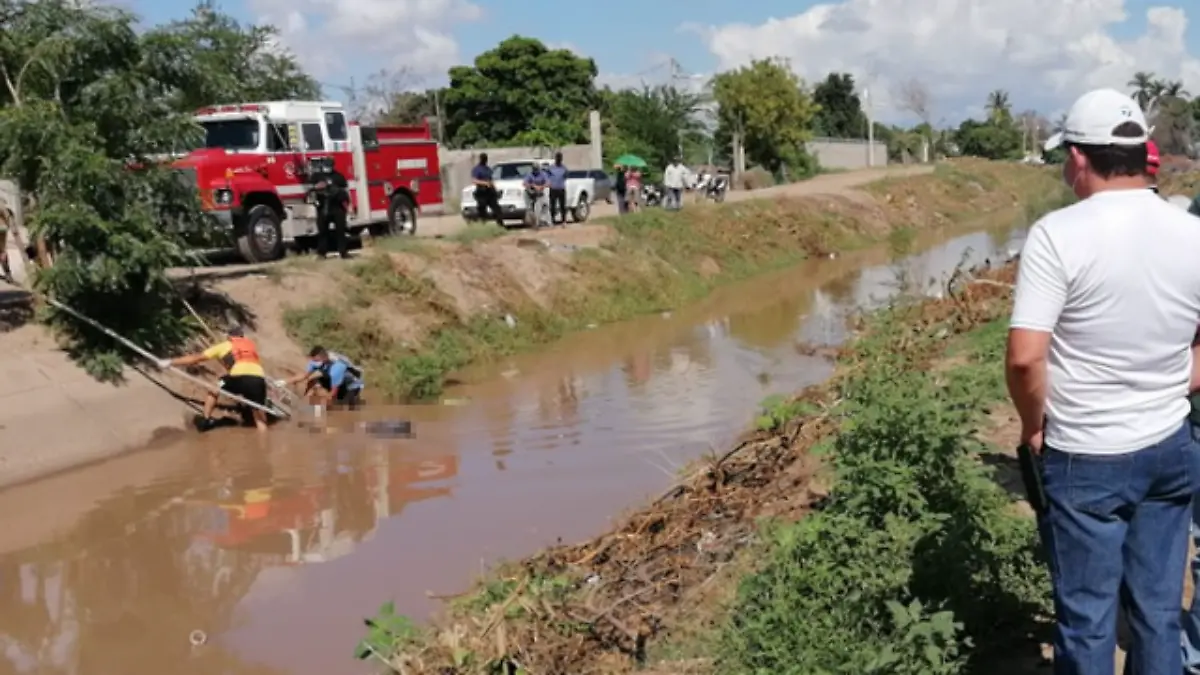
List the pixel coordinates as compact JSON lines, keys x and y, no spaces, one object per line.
{"x":509,"y":179}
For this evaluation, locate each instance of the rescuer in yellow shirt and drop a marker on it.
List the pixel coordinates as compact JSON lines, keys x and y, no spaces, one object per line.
{"x":245,"y":377}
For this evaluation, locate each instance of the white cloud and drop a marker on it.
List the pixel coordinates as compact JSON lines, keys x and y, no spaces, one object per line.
{"x":569,"y":46}
{"x":1043,"y":54}
{"x":331,"y":38}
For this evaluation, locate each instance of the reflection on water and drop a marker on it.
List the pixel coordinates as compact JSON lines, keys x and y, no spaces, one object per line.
{"x":276,"y":552}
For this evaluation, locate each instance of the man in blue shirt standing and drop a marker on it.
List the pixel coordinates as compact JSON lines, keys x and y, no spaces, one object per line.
{"x":536,"y":182}
{"x":558,"y":190}
{"x":330,"y":378}
{"x":485,"y":190}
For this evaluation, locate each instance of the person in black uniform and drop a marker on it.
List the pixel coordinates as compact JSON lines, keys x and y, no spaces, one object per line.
{"x":333,"y":203}
{"x":486,"y":197}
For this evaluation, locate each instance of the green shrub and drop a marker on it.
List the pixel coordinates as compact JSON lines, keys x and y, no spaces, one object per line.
{"x":916,"y":557}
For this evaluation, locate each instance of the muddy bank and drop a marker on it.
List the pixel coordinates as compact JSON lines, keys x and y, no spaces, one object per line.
{"x":654,"y":593}
{"x":417,"y":311}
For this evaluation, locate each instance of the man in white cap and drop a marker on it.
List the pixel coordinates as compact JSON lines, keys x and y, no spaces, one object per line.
{"x":1099,"y":367}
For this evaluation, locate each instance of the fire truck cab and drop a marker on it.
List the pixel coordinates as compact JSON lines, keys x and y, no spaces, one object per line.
{"x":260,"y":162}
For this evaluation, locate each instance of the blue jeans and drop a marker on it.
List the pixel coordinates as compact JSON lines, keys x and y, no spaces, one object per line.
{"x":1191,"y":621}
{"x":673,"y":199}
{"x":1116,"y":532}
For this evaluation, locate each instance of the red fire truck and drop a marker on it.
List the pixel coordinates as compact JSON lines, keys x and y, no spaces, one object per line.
{"x":255,"y":172}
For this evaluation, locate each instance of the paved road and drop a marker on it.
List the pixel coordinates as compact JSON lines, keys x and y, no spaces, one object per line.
{"x":449,"y":225}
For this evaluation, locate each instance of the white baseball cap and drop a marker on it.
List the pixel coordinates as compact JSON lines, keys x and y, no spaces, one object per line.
{"x":1095,"y":115}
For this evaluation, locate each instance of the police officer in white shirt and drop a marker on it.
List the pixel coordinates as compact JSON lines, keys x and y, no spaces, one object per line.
{"x":1099,"y":367}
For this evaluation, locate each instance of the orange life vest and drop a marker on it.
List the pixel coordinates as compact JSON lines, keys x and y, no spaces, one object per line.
{"x":243,"y":351}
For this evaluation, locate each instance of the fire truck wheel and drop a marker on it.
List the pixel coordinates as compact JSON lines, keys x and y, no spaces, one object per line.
{"x":262,"y":240}
{"x":402,"y":215}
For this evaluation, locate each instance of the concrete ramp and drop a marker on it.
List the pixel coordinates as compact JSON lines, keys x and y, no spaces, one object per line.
{"x":54,"y":416}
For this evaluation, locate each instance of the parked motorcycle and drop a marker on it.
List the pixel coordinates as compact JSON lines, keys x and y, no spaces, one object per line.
{"x":717,"y":187}
{"x":712,"y":186}
{"x":652,"y":195}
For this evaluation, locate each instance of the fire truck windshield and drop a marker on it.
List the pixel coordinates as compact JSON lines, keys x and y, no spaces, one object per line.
{"x":240,"y":134}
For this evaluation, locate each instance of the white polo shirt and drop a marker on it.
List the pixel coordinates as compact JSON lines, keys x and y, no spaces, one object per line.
{"x":1116,"y":279}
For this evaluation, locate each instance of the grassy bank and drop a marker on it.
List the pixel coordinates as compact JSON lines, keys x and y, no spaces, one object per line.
{"x":916,"y":562}
{"x":424,"y":309}
{"x":857,"y":531}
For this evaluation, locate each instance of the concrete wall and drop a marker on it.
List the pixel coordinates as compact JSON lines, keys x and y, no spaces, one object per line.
{"x":457,"y":164}
{"x":842,"y":153}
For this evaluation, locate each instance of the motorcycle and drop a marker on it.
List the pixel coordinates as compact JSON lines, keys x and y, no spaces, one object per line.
{"x":712,"y":186}
{"x":717,"y":186}
{"x":652,"y":195}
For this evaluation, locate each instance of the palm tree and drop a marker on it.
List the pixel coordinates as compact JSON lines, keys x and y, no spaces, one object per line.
{"x":1174,"y":89}
{"x":998,"y":106}
{"x":1143,"y":85}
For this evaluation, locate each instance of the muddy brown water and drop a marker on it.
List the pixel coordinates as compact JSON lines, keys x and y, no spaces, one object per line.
{"x":275,"y":549}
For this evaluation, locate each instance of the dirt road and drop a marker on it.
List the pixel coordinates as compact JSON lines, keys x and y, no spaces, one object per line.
{"x":449,"y":225}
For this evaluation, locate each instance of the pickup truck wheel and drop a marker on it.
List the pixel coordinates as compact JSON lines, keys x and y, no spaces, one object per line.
{"x":262,"y":239}
{"x":582,"y":209}
{"x":402,"y":216}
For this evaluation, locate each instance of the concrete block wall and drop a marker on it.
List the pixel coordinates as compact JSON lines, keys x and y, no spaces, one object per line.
{"x":844,"y":153}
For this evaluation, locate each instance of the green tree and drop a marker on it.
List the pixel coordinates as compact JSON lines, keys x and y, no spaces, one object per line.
{"x":841,"y":114}
{"x":653,"y":123}
{"x":904,"y":145}
{"x":1174,"y":124}
{"x":767,"y":104}
{"x":86,"y":104}
{"x":212,"y":58}
{"x":990,"y":140}
{"x":520,"y":93}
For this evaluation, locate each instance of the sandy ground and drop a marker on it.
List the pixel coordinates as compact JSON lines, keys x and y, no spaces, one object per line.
{"x":54,"y":416}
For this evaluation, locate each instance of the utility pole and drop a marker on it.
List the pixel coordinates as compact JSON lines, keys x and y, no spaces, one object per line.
{"x":437,"y":110}
{"x":676,"y":74}
{"x":870,"y":128}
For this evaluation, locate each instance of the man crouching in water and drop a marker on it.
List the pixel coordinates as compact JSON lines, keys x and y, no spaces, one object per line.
{"x":245,"y":377}
{"x":330,"y":378}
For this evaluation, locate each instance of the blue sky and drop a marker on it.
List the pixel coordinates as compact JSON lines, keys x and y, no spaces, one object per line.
{"x":627,"y":37}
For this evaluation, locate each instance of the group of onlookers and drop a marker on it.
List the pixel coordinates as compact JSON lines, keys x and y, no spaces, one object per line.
{"x":1103,"y":367}
{"x":627,"y":188}
{"x":628,"y":185}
